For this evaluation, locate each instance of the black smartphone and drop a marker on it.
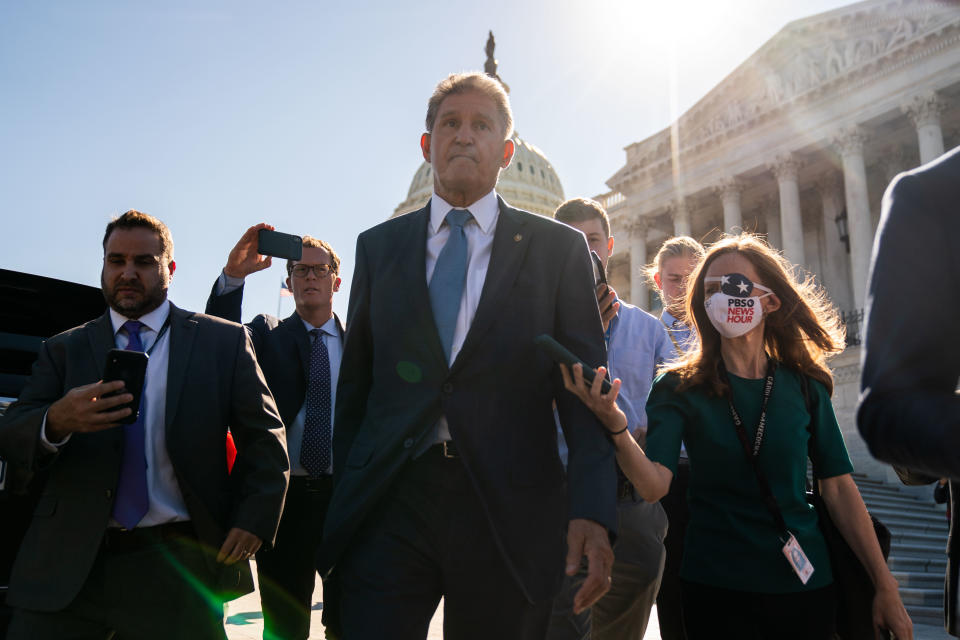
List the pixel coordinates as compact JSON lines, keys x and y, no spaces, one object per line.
{"x":562,"y":355}
{"x":599,"y":273}
{"x":600,"y":277}
{"x":131,"y":367}
{"x":279,"y":245}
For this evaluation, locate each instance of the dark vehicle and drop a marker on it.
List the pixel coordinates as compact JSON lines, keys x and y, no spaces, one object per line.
{"x":32,"y":308}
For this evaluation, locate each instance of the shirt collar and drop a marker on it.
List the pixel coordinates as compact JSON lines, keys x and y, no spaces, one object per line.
{"x":329,"y":327}
{"x":153,"y":320}
{"x":669,"y":320}
{"x":485,"y":211}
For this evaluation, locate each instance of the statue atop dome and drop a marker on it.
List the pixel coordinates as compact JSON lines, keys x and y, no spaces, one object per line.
{"x":490,"y":66}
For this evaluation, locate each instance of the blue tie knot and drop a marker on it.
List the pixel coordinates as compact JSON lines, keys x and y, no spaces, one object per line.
{"x":458,"y":217}
{"x":132,"y":327}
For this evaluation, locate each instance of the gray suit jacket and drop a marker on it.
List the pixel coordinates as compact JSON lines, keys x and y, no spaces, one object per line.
{"x":226,"y":388}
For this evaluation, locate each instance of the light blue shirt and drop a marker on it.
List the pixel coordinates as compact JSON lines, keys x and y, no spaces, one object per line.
{"x":330,"y":335}
{"x":637,"y":343}
{"x":681,"y":335}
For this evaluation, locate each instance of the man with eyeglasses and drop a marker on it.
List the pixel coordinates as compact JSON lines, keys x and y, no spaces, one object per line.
{"x":300,"y":358}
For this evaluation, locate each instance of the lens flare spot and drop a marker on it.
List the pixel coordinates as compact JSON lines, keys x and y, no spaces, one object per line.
{"x":409,"y":371}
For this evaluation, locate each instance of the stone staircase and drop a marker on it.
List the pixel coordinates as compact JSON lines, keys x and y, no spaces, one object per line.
{"x":918,"y":559}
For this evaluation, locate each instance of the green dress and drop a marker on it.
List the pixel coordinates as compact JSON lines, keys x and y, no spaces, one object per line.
{"x":732,"y":541}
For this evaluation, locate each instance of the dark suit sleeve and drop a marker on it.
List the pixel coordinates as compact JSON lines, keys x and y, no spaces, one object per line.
{"x":355,"y":379}
{"x":591,"y":472}
{"x":226,"y":306}
{"x":909,"y":414}
{"x":20,"y":426}
{"x":261,"y":468}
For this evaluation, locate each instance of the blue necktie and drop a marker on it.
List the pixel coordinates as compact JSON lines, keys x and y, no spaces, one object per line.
{"x":449,"y":277}
{"x":132,"y":501}
{"x":315,"y":449}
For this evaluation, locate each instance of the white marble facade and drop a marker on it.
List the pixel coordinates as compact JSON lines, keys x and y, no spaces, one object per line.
{"x":799,"y":142}
{"x":810,"y":129}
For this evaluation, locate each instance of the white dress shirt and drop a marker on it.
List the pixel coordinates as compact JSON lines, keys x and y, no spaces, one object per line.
{"x":166,"y":501}
{"x":479,"y":232}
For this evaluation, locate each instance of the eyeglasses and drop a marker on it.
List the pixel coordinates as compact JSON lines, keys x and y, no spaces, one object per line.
{"x":319,"y":270}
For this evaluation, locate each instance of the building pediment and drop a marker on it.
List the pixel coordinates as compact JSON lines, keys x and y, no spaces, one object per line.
{"x":807,"y":60}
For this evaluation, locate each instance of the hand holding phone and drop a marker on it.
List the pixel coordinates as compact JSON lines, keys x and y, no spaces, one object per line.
{"x":562,"y":355}
{"x":245,"y":257}
{"x":131,"y":368}
{"x":606,"y":297}
{"x":279,"y":245}
{"x":87,"y":408}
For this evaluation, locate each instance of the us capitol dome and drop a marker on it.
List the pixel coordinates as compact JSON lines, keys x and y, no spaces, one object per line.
{"x":530,"y":181}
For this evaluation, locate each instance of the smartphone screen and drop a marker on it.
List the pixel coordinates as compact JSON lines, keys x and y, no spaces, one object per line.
{"x":131,"y":367}
{"x":599,"y":273}
{"x":279,"y":245}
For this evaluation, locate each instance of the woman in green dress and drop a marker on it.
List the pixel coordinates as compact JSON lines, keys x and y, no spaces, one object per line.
{"x":761,"y":362}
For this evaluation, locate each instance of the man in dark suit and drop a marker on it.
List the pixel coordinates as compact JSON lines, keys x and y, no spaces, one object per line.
{"x":909,"y":413}
{"x":300,"y":357}
{"x":447,"y":478}
{"x":140,"y":530}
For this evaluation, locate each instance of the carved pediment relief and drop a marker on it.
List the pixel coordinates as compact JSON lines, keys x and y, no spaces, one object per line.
{"x":811,"y":54}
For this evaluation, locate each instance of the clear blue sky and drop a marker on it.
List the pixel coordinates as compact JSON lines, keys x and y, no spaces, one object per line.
{"x":214,"y":116}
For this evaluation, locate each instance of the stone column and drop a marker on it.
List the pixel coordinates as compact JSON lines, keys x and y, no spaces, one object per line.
{"x":771,"y":212}
{"x":924,"y":111}
{"x":681,"y":217}
{"x":849,"y":144}
{"x":638,"y":260}
{"x":894,"y":161}
{"x":729,"y":191}
{"x":836,"y":276}
{"x":785,"y":168}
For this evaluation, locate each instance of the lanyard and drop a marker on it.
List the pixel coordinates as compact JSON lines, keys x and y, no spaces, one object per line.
{"x":163,"y":329}
{"x":676,"y":345}
{"x":752,"y":453}
{"x":762,"y":424}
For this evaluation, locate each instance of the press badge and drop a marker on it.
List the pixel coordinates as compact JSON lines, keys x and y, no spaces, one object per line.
{"x":797,"y":559}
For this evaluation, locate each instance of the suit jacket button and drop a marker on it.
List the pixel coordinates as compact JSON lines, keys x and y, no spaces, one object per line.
{"x":447,"y":387}
{"x":108,"y":493}
{"x":408,"y":443}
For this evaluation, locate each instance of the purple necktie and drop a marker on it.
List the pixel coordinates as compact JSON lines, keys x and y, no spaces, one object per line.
{"x":315,"y":447}
{"x":132,"y":501}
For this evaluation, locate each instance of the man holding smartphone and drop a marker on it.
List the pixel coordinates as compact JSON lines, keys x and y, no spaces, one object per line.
{"x":636,"y":344}
{"x":140,"y":530}
{"x":300,"y":357}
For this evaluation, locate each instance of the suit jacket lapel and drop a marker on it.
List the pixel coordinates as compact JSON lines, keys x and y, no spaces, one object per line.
{"x":294,"y":324}
{"x":509,"y":247}
{"x":183,"y":330}
{"x":100,"y":332}
{"x":414,"y":271}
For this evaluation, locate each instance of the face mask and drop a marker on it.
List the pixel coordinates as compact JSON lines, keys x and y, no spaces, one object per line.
{"x":733,"y":311}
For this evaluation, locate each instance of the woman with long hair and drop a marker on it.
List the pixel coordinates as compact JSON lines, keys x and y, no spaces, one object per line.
{"x":751,"y":402}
